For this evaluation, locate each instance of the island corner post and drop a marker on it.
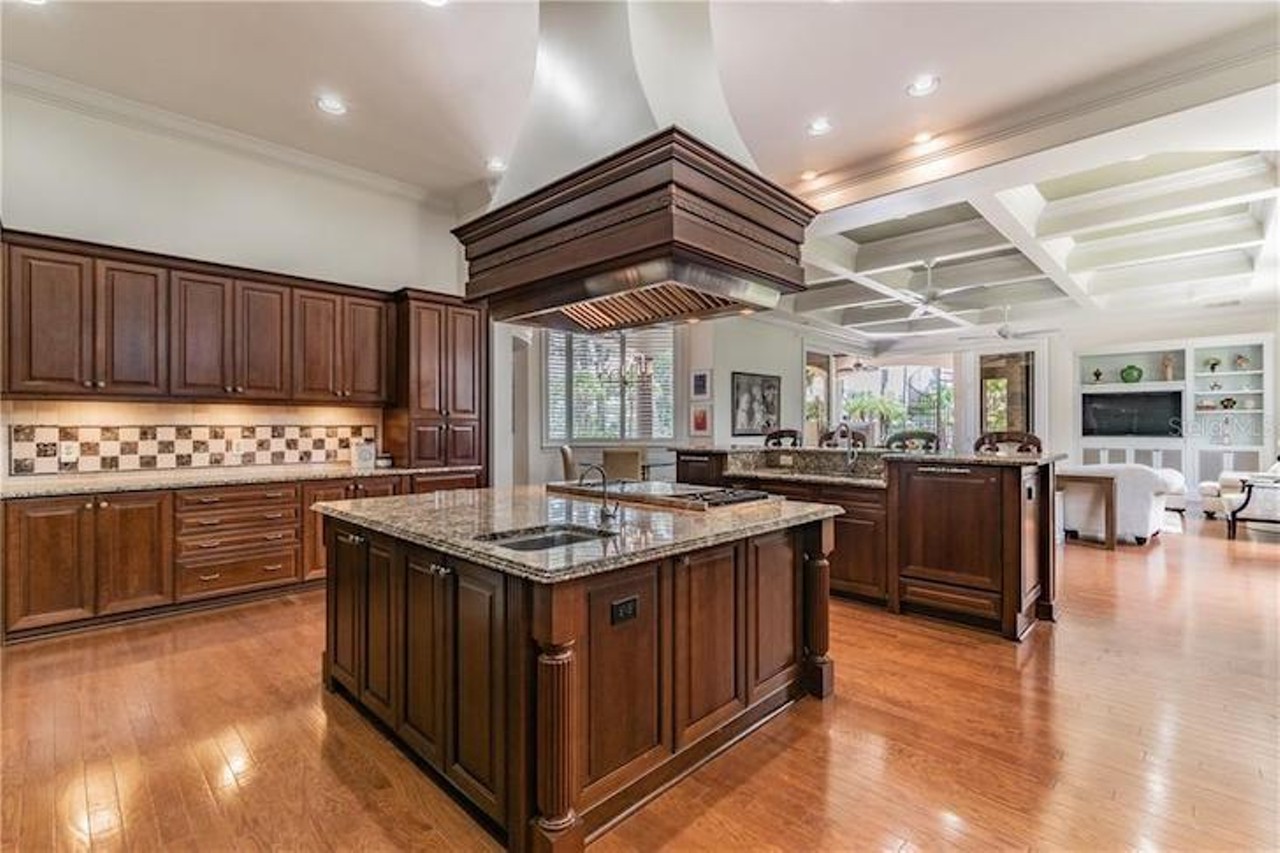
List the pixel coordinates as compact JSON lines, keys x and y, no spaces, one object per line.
{"x":577,"y":715}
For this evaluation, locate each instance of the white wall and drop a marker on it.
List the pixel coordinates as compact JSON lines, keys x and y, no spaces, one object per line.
{"x":746,"y":345}
{"x":74,"y":174}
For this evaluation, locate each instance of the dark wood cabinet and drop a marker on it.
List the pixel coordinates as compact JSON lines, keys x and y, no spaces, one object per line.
{"x":464,"y":360}
{"x":364,"y":350}
{"x":859,"y":563}
{"x":949,"y":527}
{"x":261,"y":335}
{"x":348,"y":560}
{"x":710,"y":641}
{"x":426,"y":354}
{"x":131,"y":329}
{"x":314,"y":558}
{"x":700,"y":468}
{"x":49,"y":562}
{"x":378,"y":655}
{"x":133,"y":548}
{"x":202,"y":320}
{"x":422,"y":483}
{"x":423,"y":608}
{"x":340,"y":348}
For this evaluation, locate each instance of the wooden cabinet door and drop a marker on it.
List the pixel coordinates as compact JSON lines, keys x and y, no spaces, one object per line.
{"x":950,"y":525}
{"x":710,"y":641}
{"x":348,"y":558}
{"x":131,"y":341}
{"x":364,"y":350}
{"x":134,"y":551}
{"x":49,"y":562}
{"x":201,"y":362}
{"x":379,"y":658}
{"x":859,"y":563}
{"x":50,"y":324}
{"x":317,"y":346}
{"x":314,"y":555}
{"x":427,"y":360}
{"x":427,"y":443}
{"x":424,"y":612}
{"x":476,"y":746}
{"x":463,"y":442}
{"x":377,"y":487}
{"x":775,"y":613}
{"x":464,"y":357}
{"x":262,"y":331}
{"x":424,"y":483}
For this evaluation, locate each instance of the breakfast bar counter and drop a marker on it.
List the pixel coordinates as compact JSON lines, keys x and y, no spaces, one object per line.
{"x":557,"y":667}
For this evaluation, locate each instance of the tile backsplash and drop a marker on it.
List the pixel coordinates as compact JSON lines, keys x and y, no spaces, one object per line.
{"x":43,"y":449}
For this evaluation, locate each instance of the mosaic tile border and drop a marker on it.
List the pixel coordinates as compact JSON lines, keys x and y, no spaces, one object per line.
{"x":38,"y":448}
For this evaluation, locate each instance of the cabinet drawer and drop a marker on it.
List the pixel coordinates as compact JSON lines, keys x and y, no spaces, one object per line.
{"x":211,"y":520}
{"x":203,"y":578}
{"x":211,"y":544}
{"x":208,"y":499}
{"x":951,"y":598}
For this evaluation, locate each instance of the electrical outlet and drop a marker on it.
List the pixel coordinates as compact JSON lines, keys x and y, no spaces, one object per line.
{"x":69,"y":451}
{"x":785,"y":460}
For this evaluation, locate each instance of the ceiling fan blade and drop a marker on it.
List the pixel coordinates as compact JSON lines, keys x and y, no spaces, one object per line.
{"x":1032,"y":333}
{"x":974,"y":338}
{"x":919,"y":312}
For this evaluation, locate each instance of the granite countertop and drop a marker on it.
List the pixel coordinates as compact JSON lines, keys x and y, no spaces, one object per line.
{"x":54,"y":485}
{"x":947,"y":457}
{"x":449,"y":522}
{"x":806,"y":477}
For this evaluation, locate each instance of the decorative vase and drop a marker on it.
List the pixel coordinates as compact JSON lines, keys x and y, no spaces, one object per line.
{"x":1097,"y":374}
{"x":1228,"y":402}
{"x":1242,"y":362}
{"x":1166,"y":367}
{"x":1212,"y":364}
{"x":1131,"y":373}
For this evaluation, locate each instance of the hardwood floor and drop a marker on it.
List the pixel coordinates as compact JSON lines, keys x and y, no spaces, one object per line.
{"x":1146,"y":718}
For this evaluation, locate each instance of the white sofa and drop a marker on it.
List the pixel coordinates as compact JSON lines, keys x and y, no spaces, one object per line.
{"x":1216,"y":495}
{"x":1141,"y":500}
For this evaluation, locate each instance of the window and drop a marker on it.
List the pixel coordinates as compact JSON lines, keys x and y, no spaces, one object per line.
{"x":611,"y":387}
{"x":884,"y":400}
{"x":1008,"y":383}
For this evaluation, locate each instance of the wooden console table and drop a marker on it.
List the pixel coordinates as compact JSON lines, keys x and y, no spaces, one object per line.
{"x":1105,"y":483}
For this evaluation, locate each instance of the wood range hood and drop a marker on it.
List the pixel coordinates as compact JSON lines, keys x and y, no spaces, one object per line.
{"x":665,"y":230}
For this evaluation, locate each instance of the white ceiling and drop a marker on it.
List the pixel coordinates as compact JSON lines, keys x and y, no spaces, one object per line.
{"x":434,"y":92}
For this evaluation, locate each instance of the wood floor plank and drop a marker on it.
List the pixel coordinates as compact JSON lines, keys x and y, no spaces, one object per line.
{"x":1146,"y":718}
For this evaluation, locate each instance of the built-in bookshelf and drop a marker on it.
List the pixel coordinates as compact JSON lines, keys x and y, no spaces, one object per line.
{"x":1226,"y":387}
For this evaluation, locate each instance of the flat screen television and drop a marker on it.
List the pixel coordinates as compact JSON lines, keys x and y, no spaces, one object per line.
{"x":1151,"y":413}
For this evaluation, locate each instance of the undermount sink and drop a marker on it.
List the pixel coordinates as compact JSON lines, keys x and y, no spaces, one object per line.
{"x":546,"y":537}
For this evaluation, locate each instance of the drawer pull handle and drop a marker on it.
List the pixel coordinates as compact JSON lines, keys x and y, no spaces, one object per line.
{"x":273,"y":515}
{"x":273,"y":494}
{"x":210,"y":578}
{"x":208,"y":500}
{"x":351,"y":538}
{"x":212,"y":543}
{"x":274,"y":567}
{"x":208,"y":522}
{"x":271,"y":536}
{"x":439,"y":570}
{"x":942,"y":469}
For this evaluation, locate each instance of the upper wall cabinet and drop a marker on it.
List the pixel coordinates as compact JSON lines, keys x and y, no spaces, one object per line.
{"x":78,"y":326}
{"x":230,"y":338}
{"x":339,"y":348}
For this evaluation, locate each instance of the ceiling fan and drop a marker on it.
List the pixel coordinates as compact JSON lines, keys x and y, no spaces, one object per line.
{"x":1007,"y":332}
{"x":922,"y":308}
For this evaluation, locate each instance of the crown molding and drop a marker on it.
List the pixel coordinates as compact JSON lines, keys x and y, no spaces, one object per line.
{"x":1237,"y":62}
{"x":75,"y":97}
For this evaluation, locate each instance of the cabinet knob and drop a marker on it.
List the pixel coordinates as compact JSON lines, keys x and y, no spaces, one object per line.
{"x":89,"y":505}
{"x":239,"y":389}
{"x":337,"y":393}
{"x":100,"y":384}
{"x":227,"y":388}
{"x":103,"y":504}
{"x":88,"y":383}
{"x":439,"y":570}
{"x":351,"y":538}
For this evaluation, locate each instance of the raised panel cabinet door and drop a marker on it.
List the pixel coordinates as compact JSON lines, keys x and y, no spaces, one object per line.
{"x":50,"y":326}
{"x":423,"y":483}
{"x":476,"y":745}
{"x":424,"y":611}
{"x":49,"y":562}
{"x":377,"y":642}
{"x":427,"y":443}
{"x":262,"y":333}
{"x":464,"y":440}
{"x":317,"y":346}
{"x":950,"y":524}
{"x":427,"y":360}
{"x":314,"y":556}
{"x":364,"y":335}
{"x":465,"y":357}
{"x":201,"y":362}
{"x":859,"y":563}
{"x":134,"y":550}
{"x":378,"y":487}
{"x":348,"y":557}
{"x":775,"y":617}
{"x":710,"y":641}
{"x":131,"y":341}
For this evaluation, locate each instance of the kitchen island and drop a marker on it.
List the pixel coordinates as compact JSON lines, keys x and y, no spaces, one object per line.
{"x":556,"y":668}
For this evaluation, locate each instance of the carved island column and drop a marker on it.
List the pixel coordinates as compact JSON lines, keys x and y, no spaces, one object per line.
{"x":819,"y":673}
{"x":557,"y":827}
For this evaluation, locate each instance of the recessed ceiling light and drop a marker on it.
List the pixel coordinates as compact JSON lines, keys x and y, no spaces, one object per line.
{"x":496,"y":165}
{"x":820,"y":126}
{"x":924,"y":84}
{"x":331,"y":104}
{"x":747,"y":312}
{"x":924,"y":137}
{"x":436,"y":3}
{"x":693,"y":320}
{"x":808,"y":175}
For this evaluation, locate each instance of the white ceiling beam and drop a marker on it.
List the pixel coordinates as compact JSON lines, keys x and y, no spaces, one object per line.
{"x":1237,"y":231}
{"x":843,"y":295}
{"x":1014,"y":213}
{"x":980,"y":272}
{"x":1238,"y":181}
{"x":1205,"y":268}
{"x":873,"y":314}
{"x":958,"y":240}
{"x":1017,"y":293}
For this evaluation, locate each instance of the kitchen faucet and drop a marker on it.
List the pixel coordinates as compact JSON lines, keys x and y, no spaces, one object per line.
{"x":850,"y":451}
{"x":605,"y":511}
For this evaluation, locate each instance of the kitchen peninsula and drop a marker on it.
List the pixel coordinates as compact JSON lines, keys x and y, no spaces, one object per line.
{"x":962,"y":536}
{"x":557,"y":668}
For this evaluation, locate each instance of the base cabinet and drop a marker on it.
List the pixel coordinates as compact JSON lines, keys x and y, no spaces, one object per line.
{"x":859,"y":562}
{"x":314,"y":558}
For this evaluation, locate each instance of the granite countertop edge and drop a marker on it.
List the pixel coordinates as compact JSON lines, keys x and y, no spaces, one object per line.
{"x":491,"y":556}
{"x":114,"y":482}
{"x":803,"y":477}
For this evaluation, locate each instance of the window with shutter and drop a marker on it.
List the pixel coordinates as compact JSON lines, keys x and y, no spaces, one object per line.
{"x":612,"y":387}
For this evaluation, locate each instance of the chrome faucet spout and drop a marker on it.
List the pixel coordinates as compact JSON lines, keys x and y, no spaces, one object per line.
{"x":606,"y":512}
